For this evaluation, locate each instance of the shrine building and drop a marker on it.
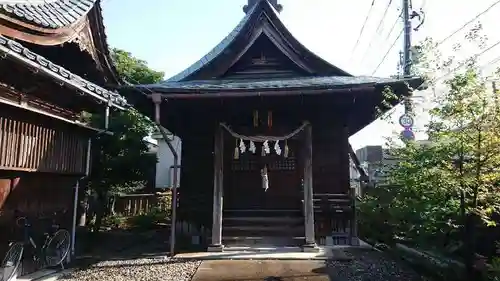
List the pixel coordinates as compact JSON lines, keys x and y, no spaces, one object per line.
{"x":264,"y":125}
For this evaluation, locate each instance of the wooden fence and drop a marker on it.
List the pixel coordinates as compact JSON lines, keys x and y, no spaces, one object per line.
{"x":137,"y":204}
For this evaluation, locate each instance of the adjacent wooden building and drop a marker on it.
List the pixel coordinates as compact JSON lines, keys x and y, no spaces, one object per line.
{"x":54,"y":65}
{"x":265,"y":124}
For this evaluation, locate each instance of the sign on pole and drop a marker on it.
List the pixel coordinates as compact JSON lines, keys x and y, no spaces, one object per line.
{"x":406,"y":121}
{"x":408,"y":134}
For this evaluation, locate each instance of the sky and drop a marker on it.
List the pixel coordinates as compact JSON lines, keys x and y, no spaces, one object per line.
{"x":170,"y":35}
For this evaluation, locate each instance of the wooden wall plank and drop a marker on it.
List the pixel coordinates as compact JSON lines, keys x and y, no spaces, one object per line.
{"x":30,"y":145}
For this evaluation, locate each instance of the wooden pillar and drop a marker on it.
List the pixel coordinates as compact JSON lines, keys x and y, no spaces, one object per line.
{"x":216,"y":245}
{"x":353,"y":234}
{"x":310,"y":244}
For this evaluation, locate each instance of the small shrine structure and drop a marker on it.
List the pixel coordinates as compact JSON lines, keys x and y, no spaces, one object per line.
{"x":265,"y":125}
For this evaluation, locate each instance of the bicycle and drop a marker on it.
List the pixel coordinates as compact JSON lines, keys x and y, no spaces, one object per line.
{"x":53,"y":252}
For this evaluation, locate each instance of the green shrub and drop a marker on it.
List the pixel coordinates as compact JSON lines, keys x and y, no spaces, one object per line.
{"x":149,"y":220}
{"x":115,"y":221}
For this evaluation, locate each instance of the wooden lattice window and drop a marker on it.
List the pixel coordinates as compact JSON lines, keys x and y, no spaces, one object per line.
{"x":248,"y":163}
{"x":245,"y":165}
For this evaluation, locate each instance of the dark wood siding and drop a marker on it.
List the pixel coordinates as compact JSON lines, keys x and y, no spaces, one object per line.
{"x":34,"y":144}
{"x":330,"y":160}
{"x":263,"y":60}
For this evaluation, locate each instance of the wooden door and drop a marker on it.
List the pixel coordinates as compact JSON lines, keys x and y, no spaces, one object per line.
{"x":243,"y":182}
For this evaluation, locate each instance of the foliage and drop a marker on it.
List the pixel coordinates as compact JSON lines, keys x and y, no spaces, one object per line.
{"x":150,"y":220}
{"x":146,"y":221}
{"x":437,"y":194}
{"x":134,"y":70}
{"x":494,"y":273}
{"x":115,"y":221}
{"x":123,"y":162}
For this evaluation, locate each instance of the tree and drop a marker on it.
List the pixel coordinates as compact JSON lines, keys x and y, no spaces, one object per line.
{"x":134,"y":70}
{"x":122,"y":162}
{"x":442,"y":192}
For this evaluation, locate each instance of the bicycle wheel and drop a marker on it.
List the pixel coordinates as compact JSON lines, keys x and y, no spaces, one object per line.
{"x":57,"y":248}
{"x":11,"y":262}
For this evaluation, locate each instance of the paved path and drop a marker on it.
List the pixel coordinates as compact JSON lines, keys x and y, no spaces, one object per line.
{"x":263,"y":270}
{"x":365,"y":265}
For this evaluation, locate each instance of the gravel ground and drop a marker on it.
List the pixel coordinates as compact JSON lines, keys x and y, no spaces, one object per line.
{"x":164,"y":269}
{"x":370,"y":265}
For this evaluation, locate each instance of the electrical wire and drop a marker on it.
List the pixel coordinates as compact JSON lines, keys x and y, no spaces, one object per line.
{"x":491,"y":62}
{"x":362,"y":29}
{"x":468,"y":22}
{"x":393,"y":27}
{"x":388,"y":51}
{"x":465,"y":62}
{"x":377,"y":31}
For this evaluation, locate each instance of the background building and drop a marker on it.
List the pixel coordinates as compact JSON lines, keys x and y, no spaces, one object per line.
{"x":165,"y":165}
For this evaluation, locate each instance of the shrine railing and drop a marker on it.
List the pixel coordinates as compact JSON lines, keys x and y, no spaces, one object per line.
{"x":335,"y":217}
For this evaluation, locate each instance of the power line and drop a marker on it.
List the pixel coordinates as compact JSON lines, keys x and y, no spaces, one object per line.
{"x":388,"y":51}
{"x":392,"y":28}
{"x":469,"y":22}
{"x":362,"y":28}
{"x":464,"y":62}
{"x":493,"y":61}
{"x":377,"y":30}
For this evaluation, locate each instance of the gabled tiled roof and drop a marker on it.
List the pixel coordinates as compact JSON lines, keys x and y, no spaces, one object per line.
{"x":16,"y":51}
{"x":47,"y":13}
{"x":272,"y":84}
{"x":216,"y":51}
{"x":262,"y":6}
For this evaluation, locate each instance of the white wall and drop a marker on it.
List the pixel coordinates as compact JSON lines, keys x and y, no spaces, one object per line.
{"x":164,"y":174}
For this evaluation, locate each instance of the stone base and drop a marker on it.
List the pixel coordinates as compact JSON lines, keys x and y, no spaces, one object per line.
{"x":355,"y":241}
{"x":215,"y":248}
{"x":310,"y":248}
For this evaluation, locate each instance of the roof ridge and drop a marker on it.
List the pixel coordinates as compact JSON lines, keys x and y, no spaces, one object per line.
{"x":215,"y":51}
{"x":17,"y":51}
{"x":261,"y":6}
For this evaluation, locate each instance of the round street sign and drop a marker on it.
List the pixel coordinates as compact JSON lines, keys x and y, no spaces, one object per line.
{"x":406,"y":121}
{"x":408,"y":134}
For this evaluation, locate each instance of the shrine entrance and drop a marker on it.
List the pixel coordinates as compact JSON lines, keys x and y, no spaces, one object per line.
{"x":243,"y":188}
{"x":262,"y":183}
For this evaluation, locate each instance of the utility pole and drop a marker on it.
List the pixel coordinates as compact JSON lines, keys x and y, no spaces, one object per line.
{"x":406,"y":121}
{"x":407,"y":39}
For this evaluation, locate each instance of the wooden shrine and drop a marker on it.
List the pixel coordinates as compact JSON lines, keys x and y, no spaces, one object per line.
{"x":265,"y":125}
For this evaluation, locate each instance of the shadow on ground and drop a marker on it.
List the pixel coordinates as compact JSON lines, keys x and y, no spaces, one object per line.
{"x":120,"y":244}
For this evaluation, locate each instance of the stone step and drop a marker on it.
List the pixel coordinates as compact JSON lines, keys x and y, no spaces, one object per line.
{"x":262,"y":213}
{"x":247,"y":241}
{"x":264,"y":228}
{"x":262,"y":231}
{"x":263,"y":221}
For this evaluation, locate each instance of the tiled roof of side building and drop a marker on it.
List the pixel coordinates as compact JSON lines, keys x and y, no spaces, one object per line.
{"x":47,"y":13}
{"x":20,"y":53}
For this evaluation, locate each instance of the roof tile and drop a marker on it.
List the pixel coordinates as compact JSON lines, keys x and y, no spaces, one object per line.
{"x":18,"y":52}
{"x":267,"y":84}
{"x":56,"y":14}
